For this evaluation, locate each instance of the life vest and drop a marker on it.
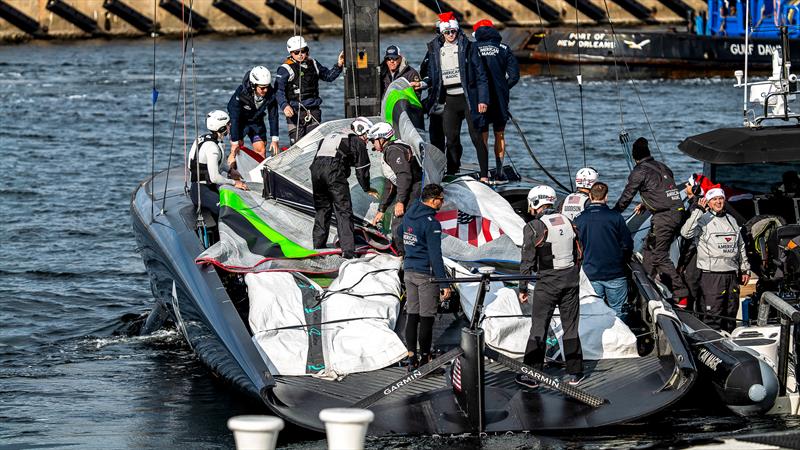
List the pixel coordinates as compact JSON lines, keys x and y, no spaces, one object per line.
{"x":388,"y":172}
{"x":303,"y":82}
{"x":329,"y":146}
{"x":574,"y":204}
{"x":559,"y":249}
{"x":199,"y":171}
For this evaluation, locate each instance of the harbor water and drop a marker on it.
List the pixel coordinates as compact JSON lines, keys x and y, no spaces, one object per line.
{"x":78,"y":136}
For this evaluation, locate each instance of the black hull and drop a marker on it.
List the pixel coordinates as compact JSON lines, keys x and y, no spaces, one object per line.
{"x":649,"y":53}
{"x":634,"y":388}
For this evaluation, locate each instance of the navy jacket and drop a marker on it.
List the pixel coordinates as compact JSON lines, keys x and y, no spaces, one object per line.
{"x":282,"y":77}
{"x":243,"y":111}
{"x":473,"y":76}
{"x":422,"y":241}
{"x":501,"y":68}
{"x":606,"y":240}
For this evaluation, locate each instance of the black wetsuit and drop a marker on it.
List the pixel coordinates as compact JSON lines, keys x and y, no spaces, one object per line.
{"x":404,"y":176}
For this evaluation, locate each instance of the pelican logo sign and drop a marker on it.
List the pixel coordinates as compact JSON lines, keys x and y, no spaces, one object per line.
{"x":633,"y":45}
{"x":411,"y":377}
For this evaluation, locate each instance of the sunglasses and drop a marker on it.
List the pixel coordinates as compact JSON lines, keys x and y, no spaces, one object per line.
{"x":297,"y":52}
{"x":392,"y":58}
{"x":449,"y":32}
{"x":438,"y":198}
{"x":262,"y":87}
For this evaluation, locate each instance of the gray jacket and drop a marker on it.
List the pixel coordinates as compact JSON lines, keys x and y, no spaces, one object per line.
{"x":720,"y":246}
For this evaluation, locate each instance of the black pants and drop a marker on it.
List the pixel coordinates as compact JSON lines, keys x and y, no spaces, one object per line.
{"x":397,"y":222}
{"x":209,"y":198}
{"x":720,"y":298}
{"x":556,"y":288}
{"x":309,"y":119}
{"x":664,"y":228}
{"x":456,"y":110}
{"x":332,"y":193}
{"x":436,"y":131}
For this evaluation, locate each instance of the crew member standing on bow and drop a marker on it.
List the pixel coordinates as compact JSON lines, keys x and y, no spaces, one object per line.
{"x":721,"y":259}
{"x":330,"y":171}
{"x":458,"y":90}
{"x":502,"y":70}
{"x":654,"y":182}
{"x":297,"y":84}
{"x":207,"y":161}
{"x":403,"y":175}
{"x":253,"y":100}
{"x":550,"y":248}
{"x":573,"y":205}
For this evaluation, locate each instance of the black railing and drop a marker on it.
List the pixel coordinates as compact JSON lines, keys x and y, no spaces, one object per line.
{"x":789,"y":315}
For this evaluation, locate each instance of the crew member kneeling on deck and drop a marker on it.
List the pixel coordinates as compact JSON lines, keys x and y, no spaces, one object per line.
{"x":297,"y":85}
{"x":207,"y":161}
{"x":403,"y":174}
{"x":422,"y":236}
{"x":550,"y":248}
{"x":330,"y":170}
{"x":721,"y":259}
{"x":253,"y":100}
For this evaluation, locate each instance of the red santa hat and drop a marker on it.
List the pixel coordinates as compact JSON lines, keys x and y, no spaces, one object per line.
{"x":715,"y":191}
{"x":447,"y":21}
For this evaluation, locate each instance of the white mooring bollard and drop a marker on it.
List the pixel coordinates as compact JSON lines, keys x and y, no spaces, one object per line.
{"x":255,"y":432}
{"x":346,"y":427}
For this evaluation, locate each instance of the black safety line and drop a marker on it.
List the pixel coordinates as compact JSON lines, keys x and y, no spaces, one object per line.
{"x":400,"y":383}
{"x":533,"y":157}
{"x":545,"y":379}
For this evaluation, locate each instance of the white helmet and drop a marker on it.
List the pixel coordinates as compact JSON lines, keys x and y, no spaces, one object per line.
{"x":381,"y":130}
{"x":260,"y":76}
{"x":361,"y":126}
{"x":296,"y":43}
{"x":541,"y":195}
{"x":217,"y":120}
{"x":585,"y":178}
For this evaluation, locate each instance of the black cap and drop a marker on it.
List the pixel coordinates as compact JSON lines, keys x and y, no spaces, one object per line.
{"x":392,"y":52}
{"x":640,"y":149}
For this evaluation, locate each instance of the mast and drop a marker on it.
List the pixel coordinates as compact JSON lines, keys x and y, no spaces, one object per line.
{"x":746,"y":54}
{"x":362,"y":94}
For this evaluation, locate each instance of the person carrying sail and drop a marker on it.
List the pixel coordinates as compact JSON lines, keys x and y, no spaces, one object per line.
{"x":654,"y":182}
{"x":551,"y":249}
{"x":297,"y":85}
{"x":207,"y":162}
{"x":250,"y":103}
{"x":403,"y":175}
{"x":330,"y":170}
{"x":457,"y":90}
{"x":721,"y":259}
{"x":502,"y":71}
{"x":574,"y":204}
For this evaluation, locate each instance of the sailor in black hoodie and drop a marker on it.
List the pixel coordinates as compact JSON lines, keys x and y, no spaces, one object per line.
{"x":254,"y":99}
{"x":422,"y":238}
{"x":502,"y":70}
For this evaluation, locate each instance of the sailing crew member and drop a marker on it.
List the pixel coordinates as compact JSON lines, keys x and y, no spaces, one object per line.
{"x":721,"y":259}
{"x":330,"y":170}
{"x":654,"y":182}
{"x":253,"y":100}
{"x":396,"y":66}
{"x":502,"y":71}
{"x":297,"y":84}
{"x":551,"y":249}
{"x":403,"y":175}
{"x":574,"y":204}
{"x":422,"y":238}
{"x":607,"y":248}
{"x":458,"y":90}
{"x":207,"y":162}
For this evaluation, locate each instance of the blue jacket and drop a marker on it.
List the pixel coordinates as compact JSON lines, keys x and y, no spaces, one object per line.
{"x":473,"y":76}
{"x":422,"y":241}
{"x":243,"y":111}
{"x":606,"y":240}
{"x":501,"y":68}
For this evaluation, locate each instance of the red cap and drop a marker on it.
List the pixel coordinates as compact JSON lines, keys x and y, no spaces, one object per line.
{"x":482,"y":23}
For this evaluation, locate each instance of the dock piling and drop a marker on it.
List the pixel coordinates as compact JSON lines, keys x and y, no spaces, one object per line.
{"x":346,"y":428}
{"x":255,"y":432}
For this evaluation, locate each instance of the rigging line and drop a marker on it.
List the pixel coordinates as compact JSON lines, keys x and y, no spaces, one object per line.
{"x":533,"y":157}
{"x":153,"y":101}
{"x":555,"y":98}
{"x":580,"y":85}
{"x":633,"y":83}
{"x":181,"y":85}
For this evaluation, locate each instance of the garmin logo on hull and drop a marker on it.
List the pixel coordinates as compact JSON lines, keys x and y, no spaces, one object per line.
{"x":541,"y":379}
{"x":708,"y":359}
{"x":413,"y":376}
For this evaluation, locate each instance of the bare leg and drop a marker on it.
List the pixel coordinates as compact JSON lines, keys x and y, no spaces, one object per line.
{"x":499,"y":152}
{"x":260,"y":147}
